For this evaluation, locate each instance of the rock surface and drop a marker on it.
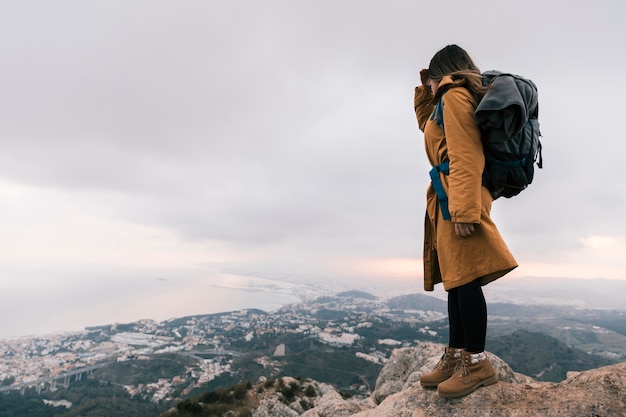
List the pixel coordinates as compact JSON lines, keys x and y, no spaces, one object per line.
{"x":403,"y":369}
{"x":594,"y":393}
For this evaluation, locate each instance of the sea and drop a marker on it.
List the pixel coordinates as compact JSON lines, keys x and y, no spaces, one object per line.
{"x":56,"y":305}
{"x":43,"y":302}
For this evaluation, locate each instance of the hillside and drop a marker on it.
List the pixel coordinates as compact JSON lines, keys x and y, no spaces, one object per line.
{"x":418,"y":302}
{"x":597,"y":392}
{"x":543,"y":357}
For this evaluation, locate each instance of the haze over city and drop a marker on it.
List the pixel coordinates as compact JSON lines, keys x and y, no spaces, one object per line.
{"x":154,"y":151}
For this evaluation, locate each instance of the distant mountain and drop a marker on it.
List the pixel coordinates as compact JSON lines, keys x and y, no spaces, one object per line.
{"x":583,"y":293}
{"x":357,"y":294}
{"x":417,"y":302}
{"x":180,"y":321}
{"x":526,"y":311}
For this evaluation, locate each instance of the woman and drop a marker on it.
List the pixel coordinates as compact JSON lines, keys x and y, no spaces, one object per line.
{"x":466,"y":251}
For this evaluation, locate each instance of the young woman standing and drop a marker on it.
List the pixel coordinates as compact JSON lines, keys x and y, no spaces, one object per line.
{"x":462,"y":246}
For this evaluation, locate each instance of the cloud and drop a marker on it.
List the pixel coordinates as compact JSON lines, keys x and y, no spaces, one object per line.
{"x":278,"y":139}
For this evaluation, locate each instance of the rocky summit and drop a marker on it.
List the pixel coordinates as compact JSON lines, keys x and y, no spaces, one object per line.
{"x":598,"y":392}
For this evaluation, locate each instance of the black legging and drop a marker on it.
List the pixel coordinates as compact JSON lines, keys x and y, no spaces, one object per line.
{"x":467,"y":316}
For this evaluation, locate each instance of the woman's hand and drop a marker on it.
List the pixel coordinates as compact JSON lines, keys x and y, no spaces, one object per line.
{"x":463,"y":229}
{"x":424,"y":77}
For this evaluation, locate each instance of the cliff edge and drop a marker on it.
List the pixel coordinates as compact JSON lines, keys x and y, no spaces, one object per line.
{"x":598,"y":392}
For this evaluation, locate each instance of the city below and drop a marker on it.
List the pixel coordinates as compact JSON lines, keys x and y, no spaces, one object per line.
{"x":359,"y":326}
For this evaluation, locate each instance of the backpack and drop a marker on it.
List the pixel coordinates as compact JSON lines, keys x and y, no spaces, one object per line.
{"x":508,"y":119}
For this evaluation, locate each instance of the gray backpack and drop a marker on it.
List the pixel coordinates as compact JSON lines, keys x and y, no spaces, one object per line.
{"x":508,"y":119}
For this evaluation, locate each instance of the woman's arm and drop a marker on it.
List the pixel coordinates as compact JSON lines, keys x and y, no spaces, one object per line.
{"x":467,"y":160}
{"x":422,"y":101}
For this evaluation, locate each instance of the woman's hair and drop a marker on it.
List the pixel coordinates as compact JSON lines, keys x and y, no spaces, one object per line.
{"x":456,"y":62}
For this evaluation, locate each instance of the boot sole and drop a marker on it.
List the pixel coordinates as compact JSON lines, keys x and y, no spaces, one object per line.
{"x":433,"y":384}
{"x":484,"y":383}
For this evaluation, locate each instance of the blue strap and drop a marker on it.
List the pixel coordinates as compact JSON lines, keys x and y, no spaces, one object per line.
{"x":444,"y":167}
{"x":437,"y":113}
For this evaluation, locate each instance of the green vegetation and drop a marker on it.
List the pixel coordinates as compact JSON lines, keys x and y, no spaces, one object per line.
{"x":14,"y":405}
{"x":542,"y":357}
{"x":401,"y":331}
{"x":107,"y":407}
{"x":89,"y":398}
{"x":339,"y":367}
{"x":102,"y":394}
{"x":134,"y":372}
{"x":331,"y":315}
{"x":7,"y":381}
{"x":241,"y":399}
{"x":232,"y":400}
{"x":611,"y":320}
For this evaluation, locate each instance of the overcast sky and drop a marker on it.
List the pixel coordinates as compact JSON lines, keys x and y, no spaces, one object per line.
{"x":277,"y":138}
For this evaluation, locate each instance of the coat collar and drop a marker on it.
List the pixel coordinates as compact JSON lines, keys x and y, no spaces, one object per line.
{"x":445,"y":84}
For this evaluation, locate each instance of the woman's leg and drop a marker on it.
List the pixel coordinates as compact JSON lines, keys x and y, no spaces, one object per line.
{"x":447,"y":364}
{"x":473,"y":316}
{"x":473,"y":367}
{"x":456,"y":337}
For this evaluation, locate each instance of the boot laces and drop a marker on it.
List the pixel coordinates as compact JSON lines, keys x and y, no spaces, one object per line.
{"x":444,"y":363}
{"x":463,"y":371}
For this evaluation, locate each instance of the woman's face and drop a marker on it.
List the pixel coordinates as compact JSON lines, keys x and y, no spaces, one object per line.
{"x":433,"y":85}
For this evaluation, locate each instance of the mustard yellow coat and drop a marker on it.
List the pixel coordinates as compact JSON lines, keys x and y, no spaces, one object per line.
{"x":450,"y":259}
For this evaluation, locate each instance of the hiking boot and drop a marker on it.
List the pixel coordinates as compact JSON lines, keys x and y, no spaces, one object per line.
{"x":468,"y":376}
{"x":443,"y":370}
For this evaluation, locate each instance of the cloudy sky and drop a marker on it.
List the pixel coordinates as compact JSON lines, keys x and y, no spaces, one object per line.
{"x":276,"y":139}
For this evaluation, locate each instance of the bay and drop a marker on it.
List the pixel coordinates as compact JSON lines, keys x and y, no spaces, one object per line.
{"x":74,"y":302}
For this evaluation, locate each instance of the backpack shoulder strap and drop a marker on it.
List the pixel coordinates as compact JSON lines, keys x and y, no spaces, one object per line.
{"x":437,"y":113}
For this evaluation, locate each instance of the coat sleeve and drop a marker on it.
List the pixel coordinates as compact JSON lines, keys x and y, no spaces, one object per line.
{"x":465,"y":152}
{"x":422,"y":102}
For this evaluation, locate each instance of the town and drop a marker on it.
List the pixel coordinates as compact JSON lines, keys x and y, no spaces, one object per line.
{"x":212,"y":343}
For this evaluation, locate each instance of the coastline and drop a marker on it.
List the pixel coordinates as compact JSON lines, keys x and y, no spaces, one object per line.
{"x":114,"y":302}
